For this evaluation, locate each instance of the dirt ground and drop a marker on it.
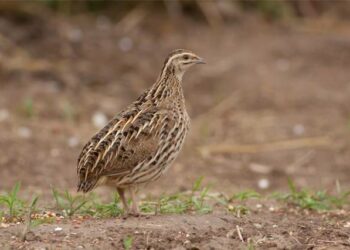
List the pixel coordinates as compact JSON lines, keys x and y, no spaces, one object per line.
{"x":268,"y":230}
{"x":272,"y":102}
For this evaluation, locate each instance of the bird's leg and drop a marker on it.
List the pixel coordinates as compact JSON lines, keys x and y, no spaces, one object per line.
{"x":134,"y":208}
{"x":121,"y":192}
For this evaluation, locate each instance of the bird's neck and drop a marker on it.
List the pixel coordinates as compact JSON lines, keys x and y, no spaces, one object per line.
{"x":167,"y":86}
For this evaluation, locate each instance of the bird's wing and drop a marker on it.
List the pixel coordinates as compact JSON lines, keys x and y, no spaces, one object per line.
{"x":126,"y":141}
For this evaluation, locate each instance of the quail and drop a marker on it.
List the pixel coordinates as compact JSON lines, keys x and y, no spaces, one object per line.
{"x":139,"y":144}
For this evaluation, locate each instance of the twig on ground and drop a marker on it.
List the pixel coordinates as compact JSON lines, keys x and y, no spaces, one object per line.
{"x":239,"y":233}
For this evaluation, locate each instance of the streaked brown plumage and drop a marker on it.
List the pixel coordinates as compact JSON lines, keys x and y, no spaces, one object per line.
{"x":141,"y":142}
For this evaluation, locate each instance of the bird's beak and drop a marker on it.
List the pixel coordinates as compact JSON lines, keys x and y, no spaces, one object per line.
{"x":200,"y":61}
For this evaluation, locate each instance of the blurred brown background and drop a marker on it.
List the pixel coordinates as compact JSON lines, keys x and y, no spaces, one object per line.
{"x":272,"y":102}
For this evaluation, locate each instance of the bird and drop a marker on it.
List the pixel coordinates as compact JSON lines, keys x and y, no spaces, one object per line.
{"x":139,"y":144}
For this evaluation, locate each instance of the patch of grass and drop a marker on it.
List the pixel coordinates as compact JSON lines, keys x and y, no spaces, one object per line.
{"x":127,"y":242}
{"x":318,"y":201}
{"x":68,"y":203}
{"x":174,"y":204}
{"x":13,"y":203}
{"x":245,"y":195}
{"x":100,"y":210}
{"x":180,"y":203}
{"x":197,"y":201}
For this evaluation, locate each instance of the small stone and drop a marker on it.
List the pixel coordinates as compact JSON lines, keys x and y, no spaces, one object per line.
{"x":347,"y":224}
{"x":99,"y":119}
{"x":58,"y":229}
{"x":24,"y":132}
{"x":73,"y":142}
{"x":4,"y":225}
{"x":257,"y":225}
{"x":263,"y":183}
{"x":187,"y":242}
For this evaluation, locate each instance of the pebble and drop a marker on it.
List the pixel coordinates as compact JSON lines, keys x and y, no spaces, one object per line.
{"x":4,"y":225}
{"x":263,"y":183}
{"x":58,"y":229}
{"x":73,"y":141}
{"x":24,"y":132}
{"x":99,"y":119}
{"x":187,"y":242}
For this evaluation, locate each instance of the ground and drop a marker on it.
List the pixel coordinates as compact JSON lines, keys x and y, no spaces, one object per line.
{"x":271,"y":103}
{"x":271,"y":230}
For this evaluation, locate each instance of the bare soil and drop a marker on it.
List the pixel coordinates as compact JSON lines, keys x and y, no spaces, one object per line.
{"x":268,"y":230}
{"x":263,"y":83}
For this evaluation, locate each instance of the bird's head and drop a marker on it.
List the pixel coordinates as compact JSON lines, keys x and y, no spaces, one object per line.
{"x":179,"y":61}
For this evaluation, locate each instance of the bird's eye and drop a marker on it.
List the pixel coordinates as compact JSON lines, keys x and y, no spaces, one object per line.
{"x":185,"y":57}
